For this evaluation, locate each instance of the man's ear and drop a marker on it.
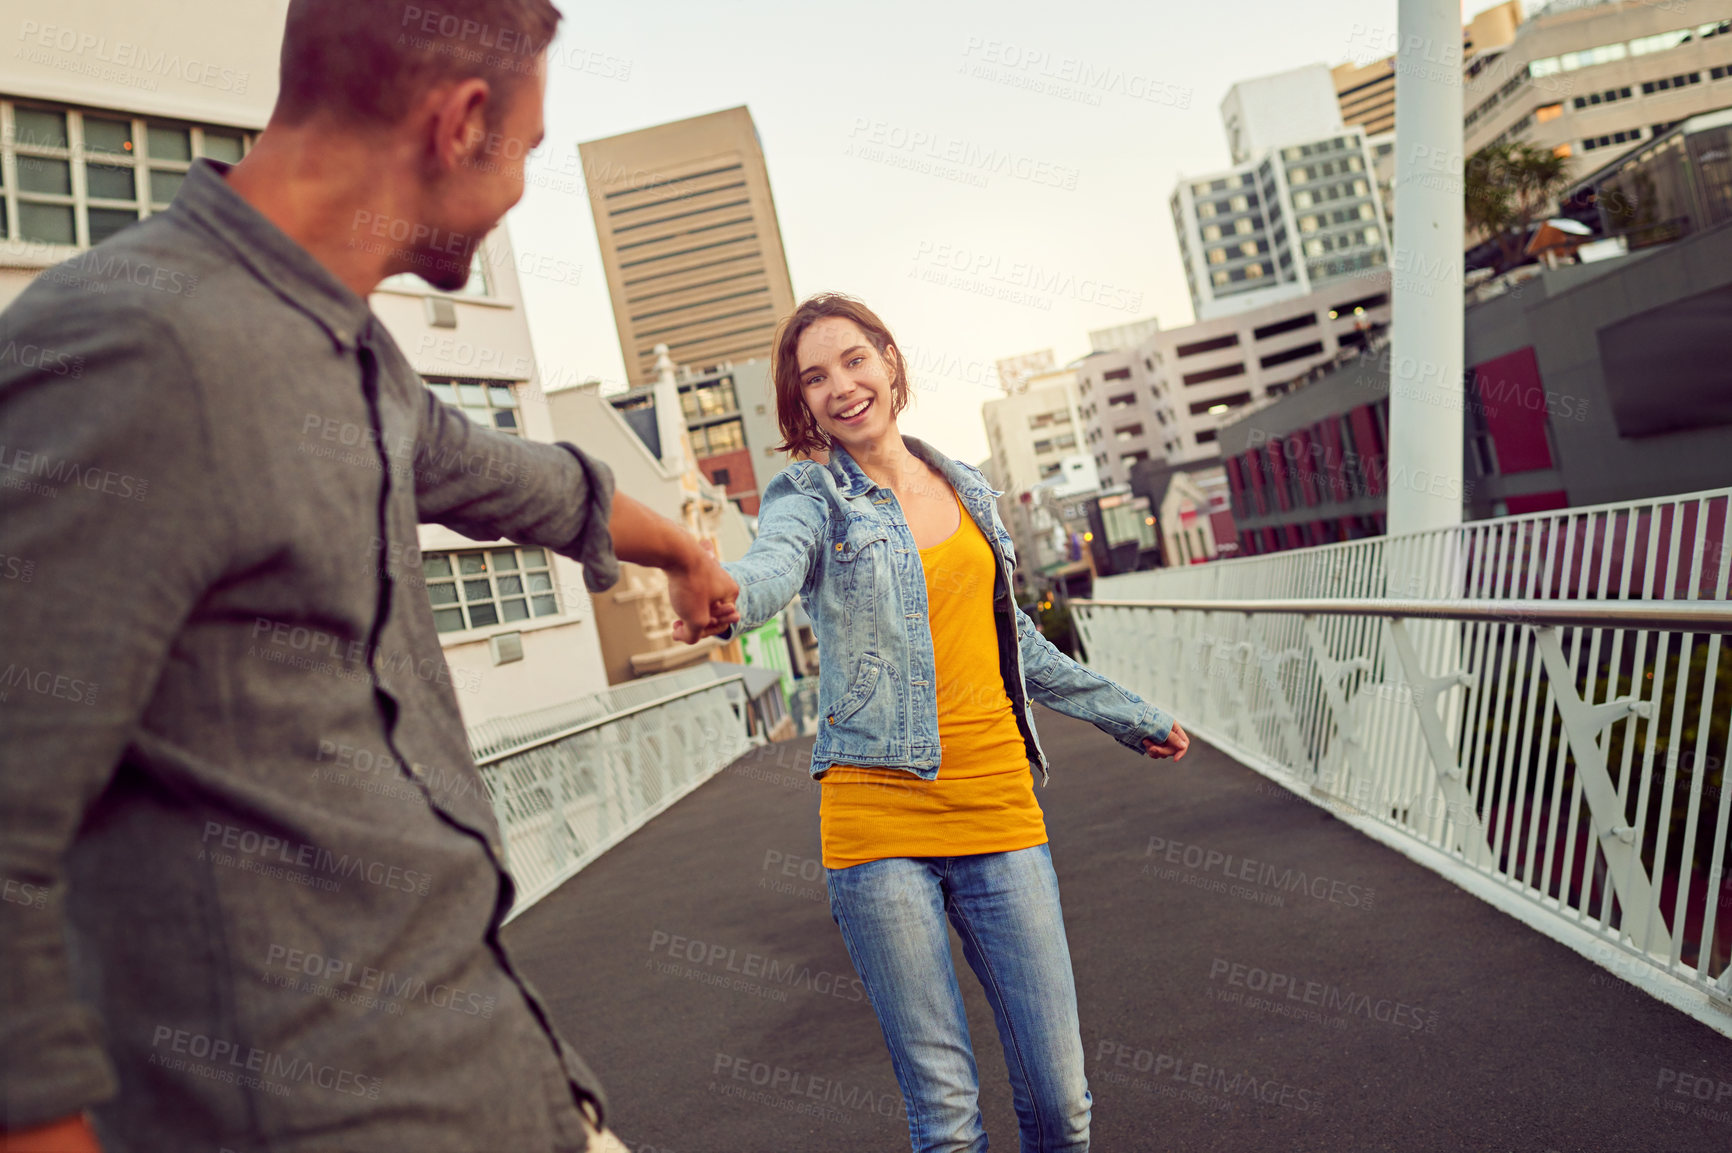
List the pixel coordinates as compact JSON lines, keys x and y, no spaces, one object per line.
{"x":460,"y":122}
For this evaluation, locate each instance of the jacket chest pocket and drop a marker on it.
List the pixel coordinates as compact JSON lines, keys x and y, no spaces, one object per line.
{"x":860,"y":549}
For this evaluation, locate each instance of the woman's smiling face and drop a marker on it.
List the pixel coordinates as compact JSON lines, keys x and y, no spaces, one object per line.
{"x":846,"y":383}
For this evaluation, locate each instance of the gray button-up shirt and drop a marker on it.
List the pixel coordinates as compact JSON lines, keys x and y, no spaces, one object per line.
{"x":253,"y":881}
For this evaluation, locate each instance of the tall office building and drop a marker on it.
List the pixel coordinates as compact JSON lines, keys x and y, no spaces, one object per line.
{"x":1587,"y":81}
{"x":690,"y":242}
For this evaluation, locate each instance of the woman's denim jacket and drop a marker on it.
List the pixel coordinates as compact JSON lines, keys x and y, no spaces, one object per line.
{"x":829,"y":533}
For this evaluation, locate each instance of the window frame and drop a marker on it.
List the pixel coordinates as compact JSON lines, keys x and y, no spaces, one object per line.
{"x":77,"y":156}
{"x":435,"y":381}
{"x":459,"y":581}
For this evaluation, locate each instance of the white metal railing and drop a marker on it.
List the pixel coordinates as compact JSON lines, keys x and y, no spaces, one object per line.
{"x":564,"y":797}
{"x":1535,"y":706}
{"x":512,"y":732}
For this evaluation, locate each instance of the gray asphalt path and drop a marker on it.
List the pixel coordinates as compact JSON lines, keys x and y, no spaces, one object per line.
{"x":1252,"y":975}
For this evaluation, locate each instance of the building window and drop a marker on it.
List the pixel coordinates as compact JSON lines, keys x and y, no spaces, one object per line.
{"x":1611,"y":139}
{"x":1130,"y":458}
{"x":1207,"y":375}
{"x":1122,"y":400}
{"x":1666,"y":83}
{"x":1197,"y":347}
{"x":1202,"y":407}
{"x":83,"y":176}
{"x":1117,"y":374}
{"x":489,"y":403}
{"x":1207,"y":436}
{"x":729,"y":436}
{"x":475,"y":589}
{"x":720,"y":476}
{"x":1129,"y":432}
{"x":1315,"y":348}
{"x":712,"y":399}
{"x":1217,"y":256}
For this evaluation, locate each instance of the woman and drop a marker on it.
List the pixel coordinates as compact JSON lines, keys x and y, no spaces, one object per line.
{"x":926,"y":737}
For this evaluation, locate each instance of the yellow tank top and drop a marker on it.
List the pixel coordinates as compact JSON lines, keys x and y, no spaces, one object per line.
{"x":983,"y":798}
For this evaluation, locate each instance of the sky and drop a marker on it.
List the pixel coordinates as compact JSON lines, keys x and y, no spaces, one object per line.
{"x":991,"y":178}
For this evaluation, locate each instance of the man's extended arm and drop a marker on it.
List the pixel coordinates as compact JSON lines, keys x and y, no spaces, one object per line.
{"x":489,"y":485}
{"x":702,"y":593}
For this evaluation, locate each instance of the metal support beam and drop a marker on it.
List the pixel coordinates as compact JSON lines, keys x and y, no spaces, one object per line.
{"x":1332,"y":673}
{"x":1469,"y":839}
{"x":1583,"y":723}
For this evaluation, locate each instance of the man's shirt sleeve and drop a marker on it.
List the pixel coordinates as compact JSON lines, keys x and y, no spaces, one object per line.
{"x":112,"y":529}
{"x":490,"y":485}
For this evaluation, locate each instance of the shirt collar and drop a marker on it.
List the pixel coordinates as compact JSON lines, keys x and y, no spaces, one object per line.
{"x":271,"y":255}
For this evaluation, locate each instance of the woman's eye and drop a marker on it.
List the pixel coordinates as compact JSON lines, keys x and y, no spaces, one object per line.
{"x":856,"y":362}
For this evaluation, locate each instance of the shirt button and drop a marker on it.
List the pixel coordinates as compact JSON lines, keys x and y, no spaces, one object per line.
{"x":838,"y":546}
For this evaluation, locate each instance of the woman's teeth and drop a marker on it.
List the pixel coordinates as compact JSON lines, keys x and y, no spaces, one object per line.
{"x":851,"y":413}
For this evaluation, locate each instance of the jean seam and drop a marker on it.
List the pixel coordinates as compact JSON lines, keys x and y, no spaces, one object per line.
{"x":1009,"y":1027}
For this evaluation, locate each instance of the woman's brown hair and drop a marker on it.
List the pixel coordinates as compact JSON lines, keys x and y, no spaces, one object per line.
{"x":800,"y":432}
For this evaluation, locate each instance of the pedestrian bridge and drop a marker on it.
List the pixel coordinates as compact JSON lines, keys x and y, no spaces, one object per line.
{"x":1427,"y":881}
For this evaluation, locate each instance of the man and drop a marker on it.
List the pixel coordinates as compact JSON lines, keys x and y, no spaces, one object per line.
{"x":215,"y":934}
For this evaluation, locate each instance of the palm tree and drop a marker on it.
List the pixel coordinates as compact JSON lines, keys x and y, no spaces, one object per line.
{"x":1507,"y":186}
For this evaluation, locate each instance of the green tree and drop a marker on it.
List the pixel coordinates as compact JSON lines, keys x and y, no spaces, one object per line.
{"x":1507,"y":186}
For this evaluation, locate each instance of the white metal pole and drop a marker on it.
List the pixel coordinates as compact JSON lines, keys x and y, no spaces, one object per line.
{"x":1425,"y":363}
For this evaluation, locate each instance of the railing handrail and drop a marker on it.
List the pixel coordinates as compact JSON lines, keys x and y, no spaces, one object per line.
{"x":1568,"y":513}
{"x":597,"y":722}
{"x":1696,"y":616}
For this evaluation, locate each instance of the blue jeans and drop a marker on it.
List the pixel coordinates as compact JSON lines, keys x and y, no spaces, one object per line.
{"x":1006,"y":911}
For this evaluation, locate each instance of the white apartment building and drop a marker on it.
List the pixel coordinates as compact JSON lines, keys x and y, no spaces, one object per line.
{"x":1299,"y":210}
{"x":1587,"y":80}
{"x":1036,"y":442}
{"x":1165,"y":398}
{"x":102,"y":109}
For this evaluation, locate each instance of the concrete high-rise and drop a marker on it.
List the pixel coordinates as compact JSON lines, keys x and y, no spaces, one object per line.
{"x":689,"y":241}
{"x":1588,"y":81}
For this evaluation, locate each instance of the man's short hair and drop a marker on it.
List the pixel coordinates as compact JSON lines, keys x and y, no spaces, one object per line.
{"x":369,"y":61}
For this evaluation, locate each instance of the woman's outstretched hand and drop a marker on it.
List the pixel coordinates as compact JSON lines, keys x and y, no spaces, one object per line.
{"x":1175,"y":746}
